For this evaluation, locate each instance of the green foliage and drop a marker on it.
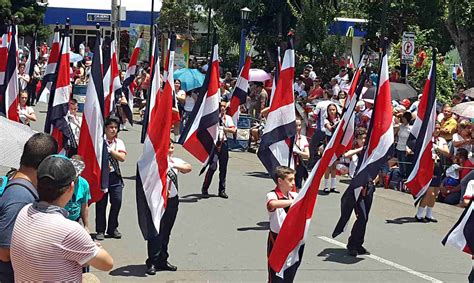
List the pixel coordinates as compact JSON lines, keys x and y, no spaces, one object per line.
{"x":29,"y":14}
{"x":179,"y":15}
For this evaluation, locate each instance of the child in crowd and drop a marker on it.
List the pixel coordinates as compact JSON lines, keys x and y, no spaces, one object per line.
{"x":279,"y":201}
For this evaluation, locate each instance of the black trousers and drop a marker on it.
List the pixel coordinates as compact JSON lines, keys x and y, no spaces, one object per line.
{"x":290,"y":273}
{"x":362,"y":210}
{"x":31,"y":89}
{"x":115,"y":194}
{"x":223,"y":159}
{"x":158,"y":246}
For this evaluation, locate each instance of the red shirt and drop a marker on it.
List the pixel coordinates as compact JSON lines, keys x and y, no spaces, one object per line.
{"x":464,"y":171}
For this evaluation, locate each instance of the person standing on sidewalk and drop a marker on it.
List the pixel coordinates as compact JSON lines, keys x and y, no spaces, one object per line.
{"x":117,"y":153}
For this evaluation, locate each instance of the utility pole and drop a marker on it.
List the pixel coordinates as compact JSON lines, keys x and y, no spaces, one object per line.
{"x":113,"y":21}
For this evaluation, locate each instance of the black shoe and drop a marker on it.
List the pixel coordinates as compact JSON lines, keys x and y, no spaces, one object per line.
{"x":333,"y":190}
{"x":166,"y":266}
{"x":362,"y":251}
{"x":422,"y":220}
{"x":115,"y":234}
{"x":151,"y":270}
{"x":431,"y":220}
{"x":325,"y":191}
{"x":222,"y":194}
{"x":100,"y":236}
{"x":204,"y":194}
{"x":352,"y":251}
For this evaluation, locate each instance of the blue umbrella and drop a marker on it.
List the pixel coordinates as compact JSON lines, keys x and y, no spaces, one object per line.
{"x":74,"y":57}
{"x":190,"y":78}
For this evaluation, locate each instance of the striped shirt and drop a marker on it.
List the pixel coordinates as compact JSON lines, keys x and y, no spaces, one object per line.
{"x":46,"y":246}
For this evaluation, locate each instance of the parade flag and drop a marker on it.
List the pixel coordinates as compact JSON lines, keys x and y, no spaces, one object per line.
{"x":276,"y":146}
{"x":50,"y":72}
{"x":112,"y":85}
{"x":380,"y":139}
{"x":461,"y":236}
{"x":92,"y":145}
{"x":10,"y":88}
{"x":200,"y":133}
{"x":239,"y":95}
{"x":175,"y":116}
{"x":276,"y":75}
{"x":3,"y":55}
{"x":152,"y":167}
{"x":422,"y":134}
{"x":356,"y":77}
{"x":128,"y":87}
{"x":58,"y":105}
{"x":287,"y":251}
{"x":32,"y":58}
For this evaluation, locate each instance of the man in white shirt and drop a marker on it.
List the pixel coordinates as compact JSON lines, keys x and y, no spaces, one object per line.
{"x":226,"y":127}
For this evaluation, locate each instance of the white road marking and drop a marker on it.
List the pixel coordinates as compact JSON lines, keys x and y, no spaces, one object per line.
{"x":385,"y":261}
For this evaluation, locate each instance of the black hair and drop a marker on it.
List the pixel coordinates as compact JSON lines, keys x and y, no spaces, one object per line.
{"x":407,"y":115}
{"x":48,"y":192}
{"x":110,"y":120}
{"x":462,"y":152}
{"x":73,"y":101}
{"x":37,"y":148}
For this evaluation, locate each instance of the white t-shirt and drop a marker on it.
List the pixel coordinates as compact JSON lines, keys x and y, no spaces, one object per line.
{"x":173,"y":161}
{"x":75,"y":122}
{"x":278,"y":215}
{"x":321,"y":110}
{"x":189,"y":103}
{"x":403,"y":135}
{"x":457,"y":138}
{"x":118,"y":145}
{"x":469,"y":194}
{"x":226,"y":123}
{"x":25,"y":110}
{"x":453,"y":171}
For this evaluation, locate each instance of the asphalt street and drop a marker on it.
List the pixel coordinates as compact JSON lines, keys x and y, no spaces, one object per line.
{"x":218,"y":240}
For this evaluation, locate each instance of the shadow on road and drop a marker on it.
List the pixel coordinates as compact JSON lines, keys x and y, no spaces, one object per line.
{"x":193,"y":198}
{"x":133,"y":178}
{"x":339,"y":255}
{"x":401,"y":220}
{"x":137,"y":270}
{"x":258,"y":175}
{"x":261,"y":226}
{"x":345,"y":181}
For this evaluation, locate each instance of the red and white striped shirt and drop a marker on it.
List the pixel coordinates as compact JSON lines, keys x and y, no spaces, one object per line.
{"x":49,"y":247}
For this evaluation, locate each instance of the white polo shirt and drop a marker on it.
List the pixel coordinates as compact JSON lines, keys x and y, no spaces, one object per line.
{"x":277,"y":216}
{"x":173,"y":161}
{"x":226,"y":123}
{"x":118,"y":145}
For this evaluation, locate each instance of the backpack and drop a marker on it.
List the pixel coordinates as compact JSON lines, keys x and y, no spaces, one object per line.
{"x":3,"y":184}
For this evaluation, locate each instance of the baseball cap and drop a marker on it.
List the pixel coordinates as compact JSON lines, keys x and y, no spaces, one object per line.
{"x":60,"y":170}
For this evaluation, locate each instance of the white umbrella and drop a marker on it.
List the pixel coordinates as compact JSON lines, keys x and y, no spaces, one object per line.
{"x":13,"y":136}
{"x":465,"y":109}
{"x":258,"y":75}
{"x":74,"y":57}
{"x":469,"y":92}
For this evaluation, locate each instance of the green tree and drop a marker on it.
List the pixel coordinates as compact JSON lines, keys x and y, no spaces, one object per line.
{"x":179,"y":15}
{"x":460,"y":23}
{"x":30,"y":16}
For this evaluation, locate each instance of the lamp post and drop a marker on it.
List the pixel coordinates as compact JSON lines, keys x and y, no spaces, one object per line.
{"x":244,"y":16}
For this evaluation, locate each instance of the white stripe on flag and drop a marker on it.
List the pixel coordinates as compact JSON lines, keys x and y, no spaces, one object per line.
{"x":279,"y":117}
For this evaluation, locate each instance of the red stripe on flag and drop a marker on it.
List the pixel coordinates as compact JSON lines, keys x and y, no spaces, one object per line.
{"x":195,"y":147}
{"x":382,"y":118}
{"x":284,"y":88}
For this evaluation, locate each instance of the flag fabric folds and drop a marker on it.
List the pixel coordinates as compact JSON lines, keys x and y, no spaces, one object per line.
{"x":50,"y":72}
{"x":377,"y":147}
{"x":3,"y":66}
{"x":276,"y":146}
{"x":128,"y":87}
{"x":152,"y":167}
{"x":92,"y":145}
{"x":288,"y":248}
{"x":239,"y":95}
{"x":32,"y":58}
{"x":461,"y":236}
{"x":112,"y":84}
{"x":10,"y":88}
{"x":422,"y":134}
{"x":199,"y":135}
{"x":58,"y":105}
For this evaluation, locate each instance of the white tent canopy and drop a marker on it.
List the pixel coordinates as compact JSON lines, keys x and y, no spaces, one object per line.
{"x":131,"y":5}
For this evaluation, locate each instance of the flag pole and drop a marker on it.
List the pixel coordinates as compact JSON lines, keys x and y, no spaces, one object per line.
{"x":152,"y":21}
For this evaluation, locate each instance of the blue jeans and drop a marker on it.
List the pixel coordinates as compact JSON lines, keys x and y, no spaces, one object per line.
{"x":402,"y":159}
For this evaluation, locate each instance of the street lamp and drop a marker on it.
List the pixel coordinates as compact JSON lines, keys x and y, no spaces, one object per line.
{"x":244,"y":16}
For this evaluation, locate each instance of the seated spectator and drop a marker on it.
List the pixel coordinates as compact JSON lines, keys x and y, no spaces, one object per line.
{"x":46,"y":246}
{"x":451,"y":191}
{"x":462,"y":138}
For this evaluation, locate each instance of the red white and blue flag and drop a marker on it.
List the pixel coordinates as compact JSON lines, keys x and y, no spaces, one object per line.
{"x":32,"y":58}
{"x":10,"y":89}
{"x":112,"y":85}
{"x":276,"y":146}
{"x":199,"y":136}
{"x":239,"y":96}
{"x":276,"y":75}
{"x":152,"y":167}
{"x":128,"y":83}
{"x":58,"y":105}
{"x":288,"y":248}
{"x":50,"y":72}
{"x":461,"y":236}
{"x":3,"y":55}
{"x":92,"y":145}
{"x":422,"y":134}
{"x":377,"y":148}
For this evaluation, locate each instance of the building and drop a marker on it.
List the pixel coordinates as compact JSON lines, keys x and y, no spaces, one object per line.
{"x":84,"y":15}
{"x":353,"y":29}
